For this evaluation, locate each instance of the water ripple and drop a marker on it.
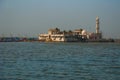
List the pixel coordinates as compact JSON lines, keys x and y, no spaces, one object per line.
{"x":56,"y":61}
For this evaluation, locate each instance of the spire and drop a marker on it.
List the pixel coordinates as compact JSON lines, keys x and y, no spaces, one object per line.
{"x":97,"y":18}
{"x":97,"y":24}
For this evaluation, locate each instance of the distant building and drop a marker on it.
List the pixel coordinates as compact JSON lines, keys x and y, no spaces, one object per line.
{"x":62,"y":36}
{"x":98,"y":34}
{"x":71,"y":36}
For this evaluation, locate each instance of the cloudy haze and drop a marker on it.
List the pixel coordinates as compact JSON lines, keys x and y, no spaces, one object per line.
{"x":31,"y":17}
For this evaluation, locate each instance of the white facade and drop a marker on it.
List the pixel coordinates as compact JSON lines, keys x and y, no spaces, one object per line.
{"x":76,"y":35}
{"x":61,"y":36}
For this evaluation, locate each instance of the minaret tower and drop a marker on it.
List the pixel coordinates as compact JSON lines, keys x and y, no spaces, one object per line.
{"x":97,"y":25}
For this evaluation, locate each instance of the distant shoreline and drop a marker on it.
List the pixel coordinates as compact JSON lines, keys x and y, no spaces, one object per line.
{"x":16,"y":39}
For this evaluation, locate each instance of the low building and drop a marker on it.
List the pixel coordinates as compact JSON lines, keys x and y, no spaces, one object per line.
{"x":56,"y":35}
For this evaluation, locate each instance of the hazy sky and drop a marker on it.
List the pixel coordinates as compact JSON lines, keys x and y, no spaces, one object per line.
{"x":31,"y":17}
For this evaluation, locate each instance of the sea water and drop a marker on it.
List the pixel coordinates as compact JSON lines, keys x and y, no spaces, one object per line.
{"x":59,"y":61}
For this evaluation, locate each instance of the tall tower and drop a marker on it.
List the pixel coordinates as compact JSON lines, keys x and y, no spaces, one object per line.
{"x":97,"y":25}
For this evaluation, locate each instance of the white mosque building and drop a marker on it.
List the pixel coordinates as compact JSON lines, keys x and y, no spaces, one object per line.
{"x":76,"y":35}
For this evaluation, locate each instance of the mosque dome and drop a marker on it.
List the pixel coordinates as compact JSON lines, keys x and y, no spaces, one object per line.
{"x":84,"y":32}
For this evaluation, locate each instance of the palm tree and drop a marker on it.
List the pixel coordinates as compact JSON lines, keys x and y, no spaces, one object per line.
{"x":70,"y":32}
{"x":64,"y":32}
{"x":81,"y":30}
{"x":57,"y":29}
